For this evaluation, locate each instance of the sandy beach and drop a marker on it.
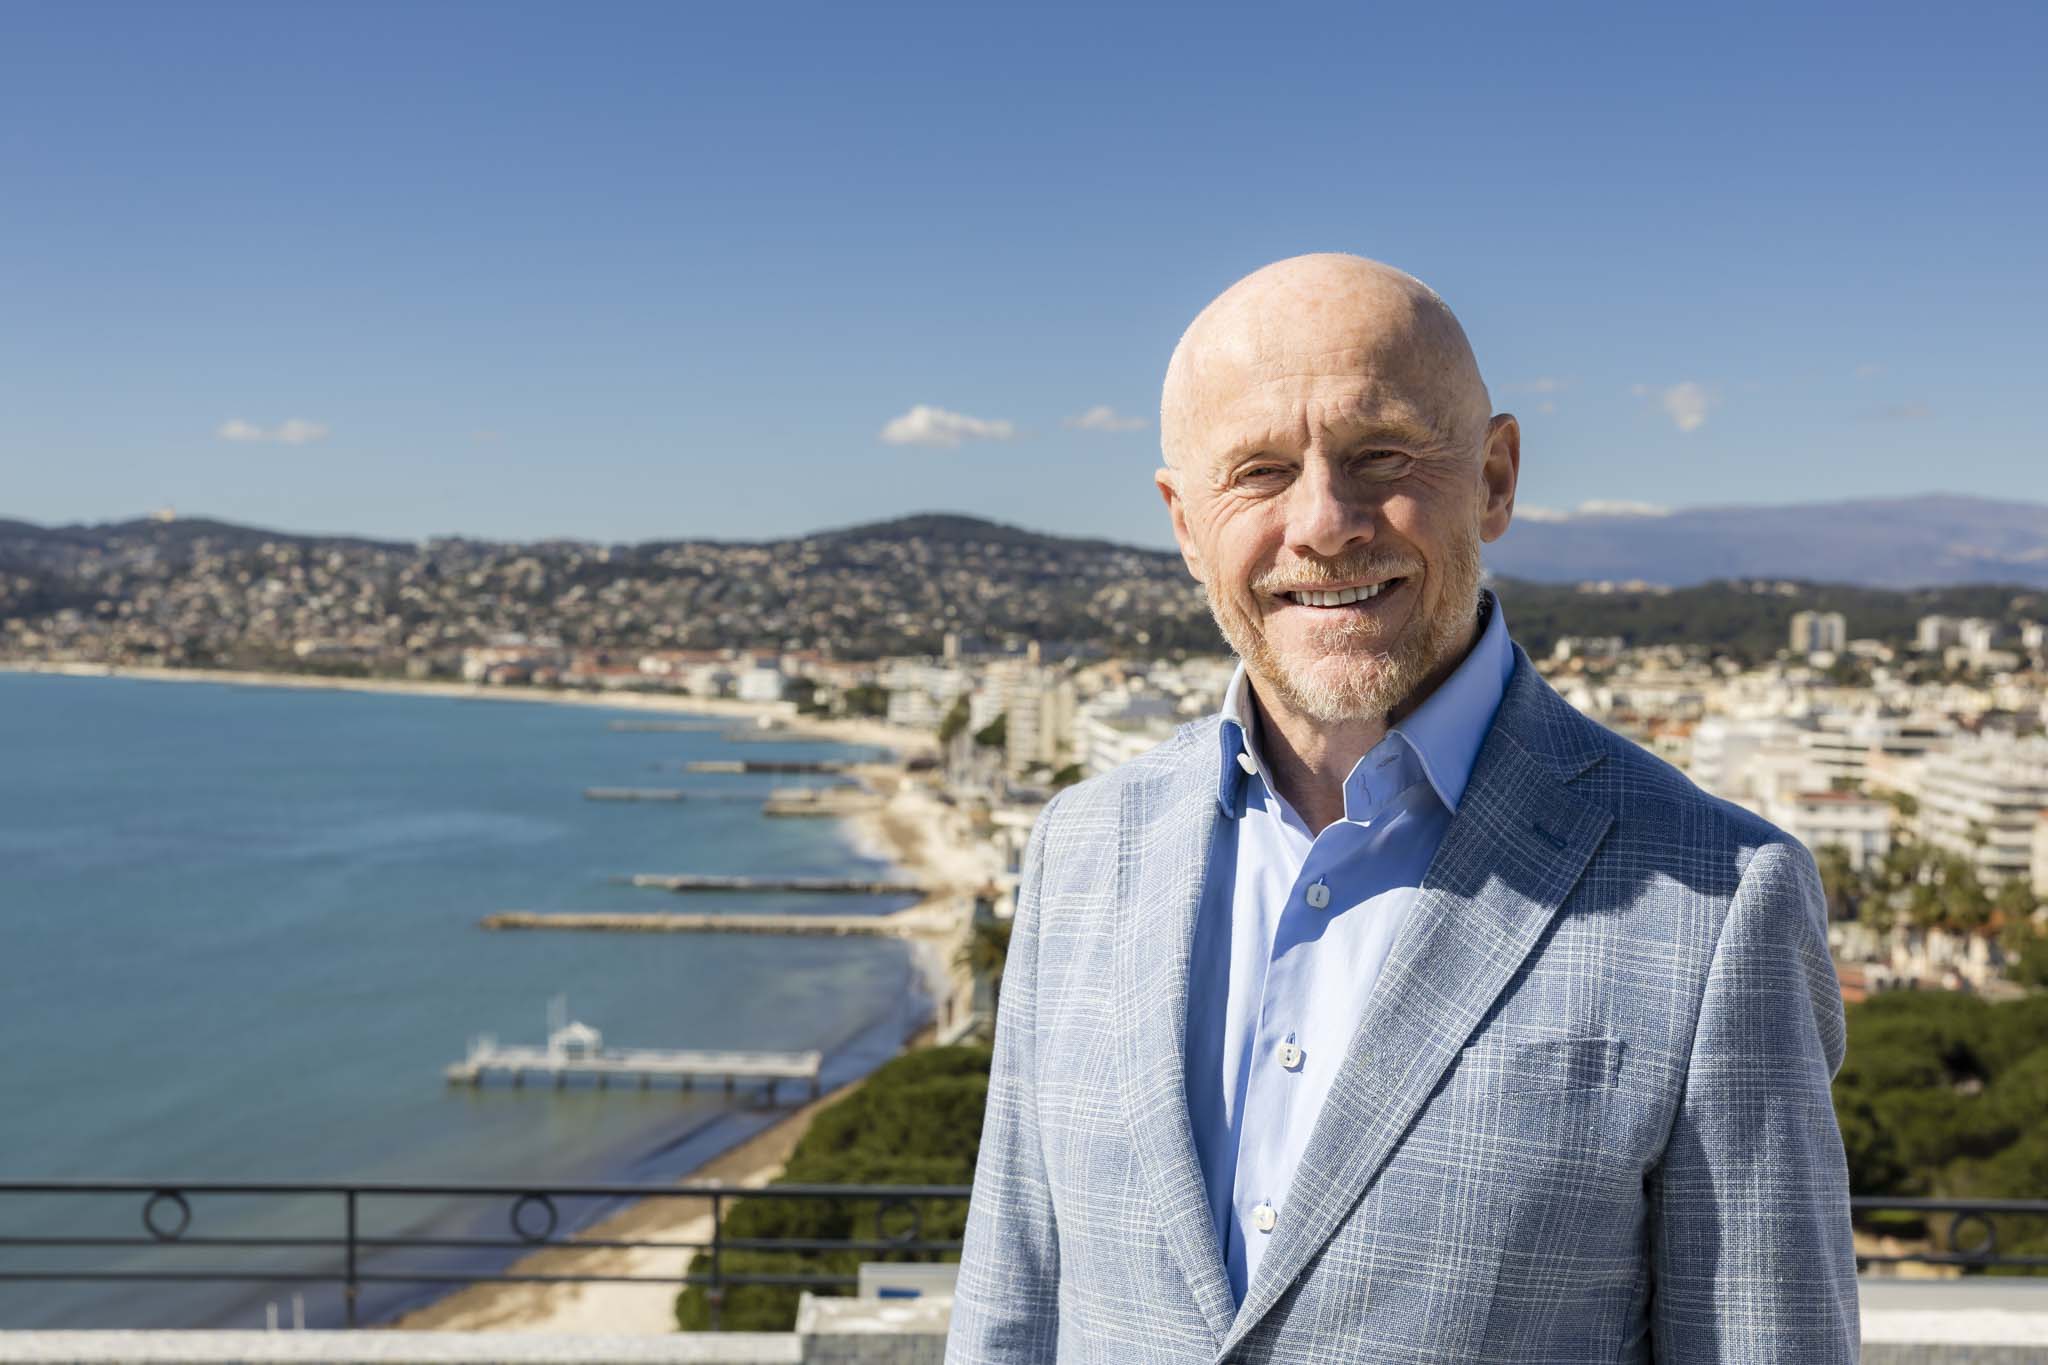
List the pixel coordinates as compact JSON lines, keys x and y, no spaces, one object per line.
{"x":622,"y":1309}
{"x":922,"y":836}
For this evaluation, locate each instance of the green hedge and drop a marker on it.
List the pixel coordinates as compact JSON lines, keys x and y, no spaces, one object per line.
{"x":916,"y":1120}
{"x":1945,"y":1095}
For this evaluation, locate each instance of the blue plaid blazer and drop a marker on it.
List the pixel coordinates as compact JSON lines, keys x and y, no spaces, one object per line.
{"x":1585,"y":1116}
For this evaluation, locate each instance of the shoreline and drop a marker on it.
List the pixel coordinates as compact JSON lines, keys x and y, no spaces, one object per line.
{"x":838,"y":729}
{"x":912,"y":826}
{"x":625,"y":1309}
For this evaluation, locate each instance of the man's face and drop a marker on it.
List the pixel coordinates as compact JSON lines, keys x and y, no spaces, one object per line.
{"x":1304,"y":469}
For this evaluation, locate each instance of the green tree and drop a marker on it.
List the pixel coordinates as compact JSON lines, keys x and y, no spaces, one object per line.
{"x":983,"y":953}
{"x":955,"y":720}
{"x":996,"y":733}
{"x":866,"y":699}
{"x":915,"y":1120}
{"x":1841,"y":881}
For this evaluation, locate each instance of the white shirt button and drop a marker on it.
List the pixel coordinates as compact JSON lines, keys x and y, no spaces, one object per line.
{"x":1244,"y":761}
{"x":1263,"y":1217}
{"x":1318,"y":894}
{"x":1290,"y":1055}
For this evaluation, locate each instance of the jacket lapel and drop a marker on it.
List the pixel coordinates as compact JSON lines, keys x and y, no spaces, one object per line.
{"x":1168,"y":822}
{"x":1518,"y":844}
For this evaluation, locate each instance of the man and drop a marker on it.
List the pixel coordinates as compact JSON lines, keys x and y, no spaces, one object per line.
{"x":1397,"y":1012}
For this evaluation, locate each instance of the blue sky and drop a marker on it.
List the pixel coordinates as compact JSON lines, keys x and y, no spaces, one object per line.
{"x":623,"y":272}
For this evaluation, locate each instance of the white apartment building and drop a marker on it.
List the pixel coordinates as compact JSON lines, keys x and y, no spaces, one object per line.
{"x":1115,"y":727}
{"x":2041,"y":855}
{"x":1935,"y":633}
{"x":1862,"y":825}
{"x":761,"y":682}
{"x":1587,"y":647}
{"x":1038,"y":703}
{"x":920,"y":694}
{"x":1727,"y":756}
{"x":1854,"y":748}
{"x":1977,"y":635}
{"x":1818,"y":632}
{"x":1995,"y":785}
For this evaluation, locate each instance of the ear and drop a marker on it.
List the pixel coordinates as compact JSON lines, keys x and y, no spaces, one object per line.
{"x":1500,"y":467}
{"x":1168,"y":480}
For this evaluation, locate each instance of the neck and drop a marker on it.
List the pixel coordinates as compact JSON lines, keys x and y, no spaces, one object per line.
{"x":1308,"y":759}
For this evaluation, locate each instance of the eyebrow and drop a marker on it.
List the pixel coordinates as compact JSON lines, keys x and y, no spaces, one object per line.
{"x":1362,"y":431}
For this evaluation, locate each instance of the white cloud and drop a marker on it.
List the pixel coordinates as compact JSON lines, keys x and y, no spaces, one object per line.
{"x":1540,"y":384}
{"x":1546,"y":407}
{"x":1102,"y":417}
{"x":292,"y":431}
{"x":1685,"y":403}
{"x":925,"y":425}
{"x":1621,"y":507}
{"x":1869,"y":371}
{"x":1596,"y":507}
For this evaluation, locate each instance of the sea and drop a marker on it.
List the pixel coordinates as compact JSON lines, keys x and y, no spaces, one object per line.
{"x":239,"y":941}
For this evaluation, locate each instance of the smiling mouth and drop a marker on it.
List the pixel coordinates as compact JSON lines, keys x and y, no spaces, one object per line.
{"x":1330,"y":599}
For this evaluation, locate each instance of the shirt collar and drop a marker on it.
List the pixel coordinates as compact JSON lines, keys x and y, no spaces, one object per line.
{"x":1444,"y":733}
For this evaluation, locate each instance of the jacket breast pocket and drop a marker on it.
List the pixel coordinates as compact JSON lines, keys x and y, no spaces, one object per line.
{"x":1533,"y":1065}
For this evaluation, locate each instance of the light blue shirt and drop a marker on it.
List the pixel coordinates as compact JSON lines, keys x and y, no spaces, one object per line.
{"x":1295,"y":925}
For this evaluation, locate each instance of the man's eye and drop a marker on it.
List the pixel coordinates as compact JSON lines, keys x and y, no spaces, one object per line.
{"x":1382,"y":461}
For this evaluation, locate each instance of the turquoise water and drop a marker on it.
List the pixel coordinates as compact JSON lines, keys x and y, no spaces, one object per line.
{"x":238,"y":941}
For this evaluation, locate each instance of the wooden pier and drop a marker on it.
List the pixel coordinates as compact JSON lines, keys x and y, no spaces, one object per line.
{"x":576,"y":1050}
{"x":820,"y":801}
{"x":764,"y":765}
{"x":842,"y":886}
{"x":916,"y":922}
{"x":671,"y":726}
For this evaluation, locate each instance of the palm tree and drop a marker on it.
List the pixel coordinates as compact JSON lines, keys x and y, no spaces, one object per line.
{"x":986,"y":949}
{"x":1839,"y":880}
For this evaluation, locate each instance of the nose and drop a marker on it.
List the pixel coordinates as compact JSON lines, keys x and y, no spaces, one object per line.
{"x":1326,"y":513}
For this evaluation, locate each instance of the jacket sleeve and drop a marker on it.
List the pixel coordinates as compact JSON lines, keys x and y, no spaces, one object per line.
{"x":1750,"y":1246}
{"x":1006,"y":1305}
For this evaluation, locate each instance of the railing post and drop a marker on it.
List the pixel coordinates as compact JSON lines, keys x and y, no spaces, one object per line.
{"x":348,"y":1292}
{"x":715,"y":1295}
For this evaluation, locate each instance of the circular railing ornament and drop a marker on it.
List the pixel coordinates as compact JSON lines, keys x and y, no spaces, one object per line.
{"x":175,"y":1200}
{"x":1982,"y":1250}
{"x":542,"y":1202}
{"x":916,"y":1233}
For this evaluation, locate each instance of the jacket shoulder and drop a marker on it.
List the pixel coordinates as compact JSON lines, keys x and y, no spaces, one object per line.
{"x":1654,"y":801}
{"x":1171,"y":757}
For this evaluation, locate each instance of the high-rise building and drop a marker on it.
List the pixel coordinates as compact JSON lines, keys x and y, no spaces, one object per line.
{"x":1819,"y":632}
{"x":1935,"y":633}
{"x":1984,"y":799}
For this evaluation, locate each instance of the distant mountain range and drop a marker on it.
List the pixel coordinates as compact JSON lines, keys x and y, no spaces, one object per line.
{"x":1937,"y":540}
{"x":1932,"y":541}
{"x":193,"y":591}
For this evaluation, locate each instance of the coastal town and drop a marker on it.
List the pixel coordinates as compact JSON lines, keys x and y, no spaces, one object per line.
{"x":1902,"y":744}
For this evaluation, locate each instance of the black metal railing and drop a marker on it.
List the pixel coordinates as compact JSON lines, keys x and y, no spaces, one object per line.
{"x":353,"y":1257}
{"x":1955,"y":1232}
{"x":1959,"y":1232}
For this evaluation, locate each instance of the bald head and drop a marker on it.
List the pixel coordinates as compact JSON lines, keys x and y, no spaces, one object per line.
{"x":1325,"y":314}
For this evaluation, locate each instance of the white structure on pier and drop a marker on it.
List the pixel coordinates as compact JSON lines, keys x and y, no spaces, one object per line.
{"x":576,"y":1049}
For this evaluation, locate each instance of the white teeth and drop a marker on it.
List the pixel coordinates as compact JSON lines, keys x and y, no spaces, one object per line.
{"x":1336,"y":599}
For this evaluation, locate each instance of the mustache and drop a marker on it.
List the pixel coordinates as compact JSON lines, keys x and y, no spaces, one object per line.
{"x":1335,"y":573}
